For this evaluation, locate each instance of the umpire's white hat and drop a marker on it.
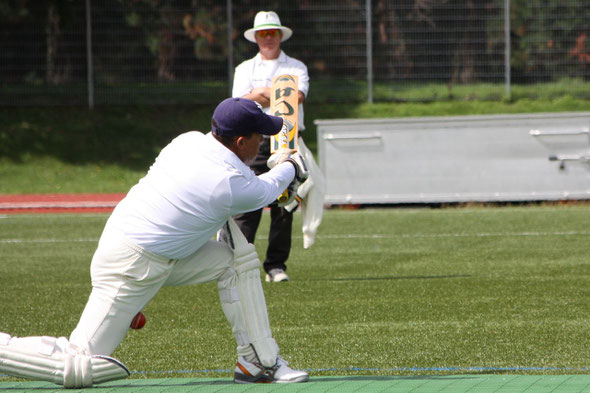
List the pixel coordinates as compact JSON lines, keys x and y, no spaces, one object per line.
{"x":267,"y":20}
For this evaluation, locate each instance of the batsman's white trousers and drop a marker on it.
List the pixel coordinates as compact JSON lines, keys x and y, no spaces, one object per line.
{"x":126,"y":277}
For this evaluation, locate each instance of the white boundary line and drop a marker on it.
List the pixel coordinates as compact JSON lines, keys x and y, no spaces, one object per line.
{"x":28,"y":241}
{"x":346,"y":237}
{"x":57,"y":205}
{"x":456,"y":235}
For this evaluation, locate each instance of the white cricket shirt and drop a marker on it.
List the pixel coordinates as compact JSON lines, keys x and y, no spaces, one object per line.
{"x":195,"y":185}
{"x":260,"y":73}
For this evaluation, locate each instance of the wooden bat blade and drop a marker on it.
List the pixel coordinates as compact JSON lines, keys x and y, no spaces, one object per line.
{"x":284,"y":102}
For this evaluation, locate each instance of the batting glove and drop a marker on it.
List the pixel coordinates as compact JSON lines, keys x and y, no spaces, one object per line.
{"x":301,"y":172}
{"x":277,"y":157}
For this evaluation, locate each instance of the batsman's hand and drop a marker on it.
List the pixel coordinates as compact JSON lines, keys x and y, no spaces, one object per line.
{"x":296,"y":159}
{"x":277,"y":158}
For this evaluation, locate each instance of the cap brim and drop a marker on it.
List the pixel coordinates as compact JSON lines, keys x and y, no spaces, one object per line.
{"x":250,"y":33}
{"x":271,"y":125}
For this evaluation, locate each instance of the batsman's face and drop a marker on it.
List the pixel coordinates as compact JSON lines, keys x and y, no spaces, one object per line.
{"x":249,"y":146}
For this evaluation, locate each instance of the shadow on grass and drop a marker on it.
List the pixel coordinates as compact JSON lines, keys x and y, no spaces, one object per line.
{"x":390,"y":278}
{"x":126,"y":136}
{"x":139,"y":384}
{"x":388,"y":378}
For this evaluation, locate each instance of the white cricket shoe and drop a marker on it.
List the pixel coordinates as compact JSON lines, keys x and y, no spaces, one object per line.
{"x":277,"y":275}
{"x":246,"y":372}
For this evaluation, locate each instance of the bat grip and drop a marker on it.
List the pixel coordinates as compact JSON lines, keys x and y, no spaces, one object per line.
{"x":284,"y":197}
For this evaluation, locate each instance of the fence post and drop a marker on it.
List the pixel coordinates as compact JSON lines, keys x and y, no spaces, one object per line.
{"x":369,"y":53}
{"x":89,"y":68}
{"x":230,"y":48}
{"x":507,"y":46}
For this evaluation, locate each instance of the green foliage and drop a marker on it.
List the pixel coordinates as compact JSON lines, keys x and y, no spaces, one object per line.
{"x":545,"y":35}
{"x":382,"y":292}
{"x":144,"y":41}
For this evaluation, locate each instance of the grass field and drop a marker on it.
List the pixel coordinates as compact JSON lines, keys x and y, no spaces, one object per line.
{"x":383,"y":292}
{"x":457,"y":299}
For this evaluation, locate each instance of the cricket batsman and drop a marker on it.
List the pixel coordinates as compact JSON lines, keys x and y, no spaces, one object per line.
{"x":161,"y":234}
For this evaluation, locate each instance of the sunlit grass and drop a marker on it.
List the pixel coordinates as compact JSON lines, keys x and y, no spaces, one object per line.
{"x":383,"y":291}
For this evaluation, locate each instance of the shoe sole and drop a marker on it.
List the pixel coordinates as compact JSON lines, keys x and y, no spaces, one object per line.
{"x":247,"y":380}
{"x":304,"y":378}
{"x":269,"y":279}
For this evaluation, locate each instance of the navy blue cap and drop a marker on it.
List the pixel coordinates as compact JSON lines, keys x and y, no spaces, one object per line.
{"x":241,"y":116}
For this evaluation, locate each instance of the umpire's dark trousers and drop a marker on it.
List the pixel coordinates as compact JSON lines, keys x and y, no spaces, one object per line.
{"x":281,"y":221}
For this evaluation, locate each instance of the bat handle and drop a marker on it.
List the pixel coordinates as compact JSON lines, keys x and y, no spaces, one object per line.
{"x":284,"y":197}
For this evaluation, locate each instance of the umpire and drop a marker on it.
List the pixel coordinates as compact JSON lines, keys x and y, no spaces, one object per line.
{"x":252,"y":80}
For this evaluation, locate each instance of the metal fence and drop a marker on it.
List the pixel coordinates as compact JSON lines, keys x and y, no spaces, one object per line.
{"x":105,"y":52}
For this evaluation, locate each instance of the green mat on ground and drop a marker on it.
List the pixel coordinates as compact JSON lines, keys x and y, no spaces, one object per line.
{"x":446,"y":383}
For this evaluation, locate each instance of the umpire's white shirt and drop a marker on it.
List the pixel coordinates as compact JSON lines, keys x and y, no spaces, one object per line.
{"x":195,"y":185}
{"x":257,"y":72}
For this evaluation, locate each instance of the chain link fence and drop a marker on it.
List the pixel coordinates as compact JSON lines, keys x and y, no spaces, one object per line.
{"x":117,"y":52}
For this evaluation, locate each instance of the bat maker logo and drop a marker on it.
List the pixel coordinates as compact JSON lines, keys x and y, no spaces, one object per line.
{"x":288,"y":109}
{"x":284,"y":135}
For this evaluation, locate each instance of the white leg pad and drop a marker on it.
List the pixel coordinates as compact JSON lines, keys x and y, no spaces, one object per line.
{"x":229,"y":296}
{"x":56,"y":360}
{"x":4,"y":338}
{"x":252,"y":300}
{"x":106,"y":368}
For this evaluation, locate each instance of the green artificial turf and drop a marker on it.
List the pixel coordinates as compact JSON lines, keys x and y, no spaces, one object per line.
{"x":394,"y":384}
{"x":385,"y":292}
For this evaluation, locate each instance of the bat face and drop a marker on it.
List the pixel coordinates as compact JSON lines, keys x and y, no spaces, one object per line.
{"x":284,"y":103}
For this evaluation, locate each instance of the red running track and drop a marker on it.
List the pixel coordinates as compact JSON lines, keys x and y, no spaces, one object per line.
{"x":58,"y":203}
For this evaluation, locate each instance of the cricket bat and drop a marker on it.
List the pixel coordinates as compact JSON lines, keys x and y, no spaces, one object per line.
{"x":284,"y":102}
